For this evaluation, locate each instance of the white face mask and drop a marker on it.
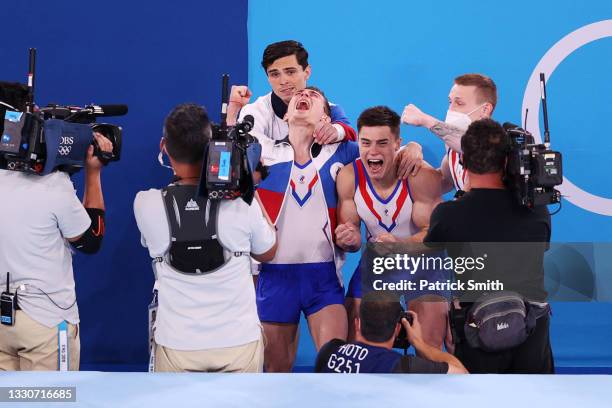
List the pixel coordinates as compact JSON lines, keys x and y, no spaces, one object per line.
{"x":459,"y":119}
{"x":160,"y":159}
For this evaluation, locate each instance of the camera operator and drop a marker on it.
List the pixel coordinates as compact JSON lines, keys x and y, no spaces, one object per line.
{"x":206,"y":320}
{"x":38,"y":215}
{"x":378,"y":324}
{"x":490,"y":213}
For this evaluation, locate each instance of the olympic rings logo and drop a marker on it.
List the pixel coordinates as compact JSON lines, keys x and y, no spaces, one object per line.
{"x":64,"y":150}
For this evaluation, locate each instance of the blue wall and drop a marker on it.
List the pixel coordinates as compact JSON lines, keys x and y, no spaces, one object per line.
{"x":150,"y":55}
{"x":366,"y":53}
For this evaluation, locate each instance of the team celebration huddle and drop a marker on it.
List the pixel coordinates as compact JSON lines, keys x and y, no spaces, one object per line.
{"x":234,"y":276}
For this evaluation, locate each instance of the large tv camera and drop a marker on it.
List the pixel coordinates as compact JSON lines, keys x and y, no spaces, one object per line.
{"x":231,"y":157}
{"x":40,"y":141}
{"x":533,"y":170}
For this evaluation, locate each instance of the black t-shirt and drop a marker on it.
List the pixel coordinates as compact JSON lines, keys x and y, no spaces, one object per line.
{"x":492,"y":216}
{"x":338,"y":356}
{"x":488,"y":215}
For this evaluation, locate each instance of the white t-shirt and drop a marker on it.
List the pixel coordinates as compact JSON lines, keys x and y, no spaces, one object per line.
{"x":214,"y":310}
{"x":37,"y":213}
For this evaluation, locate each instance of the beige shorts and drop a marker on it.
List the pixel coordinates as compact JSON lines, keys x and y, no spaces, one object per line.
{"x":247,"y":358}
{"x":31,"y":346}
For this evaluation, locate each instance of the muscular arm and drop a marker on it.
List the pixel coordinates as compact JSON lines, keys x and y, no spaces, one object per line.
{"x":433,"y":354}
{"x":426,"y":194}
{"x":268,"y":255}
{"x":348,"y":236}
{"x":451,"y":135}
{"x":446,"y":181}
{"x":424,"y":350}
{"x":93,"y":200}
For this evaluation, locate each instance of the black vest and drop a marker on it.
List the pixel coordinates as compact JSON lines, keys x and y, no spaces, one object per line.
{"x":194,"y":246}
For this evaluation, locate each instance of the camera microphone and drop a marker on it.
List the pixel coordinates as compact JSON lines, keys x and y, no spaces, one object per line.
{"x":108,"y":110}
{"x":247,"y":123}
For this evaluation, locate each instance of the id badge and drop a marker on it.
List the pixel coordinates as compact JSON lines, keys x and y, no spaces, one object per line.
{"x":152,"y":316}
{"x":62,"y":346}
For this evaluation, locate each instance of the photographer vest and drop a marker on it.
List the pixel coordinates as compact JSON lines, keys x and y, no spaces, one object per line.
{"x":194,"y":245}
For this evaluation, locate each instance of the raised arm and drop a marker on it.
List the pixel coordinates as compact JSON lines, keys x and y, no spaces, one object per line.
{"x":348,"y":235}
{"x":449,"y":134}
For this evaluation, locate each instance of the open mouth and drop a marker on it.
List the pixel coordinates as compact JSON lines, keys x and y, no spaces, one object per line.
{"x":302,"y":105}
{"x":375,"y":164}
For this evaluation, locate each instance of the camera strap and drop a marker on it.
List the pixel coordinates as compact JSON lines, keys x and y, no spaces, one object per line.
{"x":457,"y":317}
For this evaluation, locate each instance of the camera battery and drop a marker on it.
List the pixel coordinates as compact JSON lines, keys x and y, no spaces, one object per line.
{"x":8,"y":305}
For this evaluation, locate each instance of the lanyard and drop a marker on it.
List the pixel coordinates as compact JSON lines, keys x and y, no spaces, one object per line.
{"x":62,"y":346}
{"x":152,"y":317}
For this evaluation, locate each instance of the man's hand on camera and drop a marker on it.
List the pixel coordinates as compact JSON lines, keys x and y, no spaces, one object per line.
{"x":409,"y":160}
{"x":348,"y":237}
{"x":415,"y":117}
{"x":92,"y":163}
{"x":325,"y":133}
{"x":414,"y":331}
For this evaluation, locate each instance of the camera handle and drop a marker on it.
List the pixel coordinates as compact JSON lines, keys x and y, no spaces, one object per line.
{"x":31,"y":77}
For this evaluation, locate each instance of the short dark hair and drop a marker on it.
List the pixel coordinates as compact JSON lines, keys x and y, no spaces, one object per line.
{"x":284,"y":49}
{"x":379,"y":314}
{"x":485,"y":146}
{"x":14,"y":94}
{"x":187,"y":131}
{"x":326,"y":106}
{"x":485,"y":87}
{"x":380,"y":116}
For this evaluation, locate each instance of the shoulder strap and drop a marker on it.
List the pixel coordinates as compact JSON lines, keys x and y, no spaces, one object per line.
{"x":211,"y":225}
{"x":186,"y":213}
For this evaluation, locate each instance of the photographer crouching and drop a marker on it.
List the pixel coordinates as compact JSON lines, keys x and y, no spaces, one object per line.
{"x":206,"y":316}
{"x":41,"y":220}
{"x":380,"y":320}
{"x":503,"y":332}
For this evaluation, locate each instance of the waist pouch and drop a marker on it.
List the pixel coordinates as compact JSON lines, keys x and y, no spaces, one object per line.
{"x":499,"y":321}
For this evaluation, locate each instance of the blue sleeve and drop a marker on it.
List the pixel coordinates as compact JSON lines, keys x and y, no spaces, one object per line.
{"x":351,"y":152}
{"x":338,"y":115}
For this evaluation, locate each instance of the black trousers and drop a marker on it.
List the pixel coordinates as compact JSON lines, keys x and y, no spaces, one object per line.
{"x":534,"y":356}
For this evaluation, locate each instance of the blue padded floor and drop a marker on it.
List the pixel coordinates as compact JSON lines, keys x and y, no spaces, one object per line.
{"x":98,"y":389}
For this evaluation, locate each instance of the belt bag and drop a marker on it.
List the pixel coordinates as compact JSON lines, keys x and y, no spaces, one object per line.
{"x":499,"y":321}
